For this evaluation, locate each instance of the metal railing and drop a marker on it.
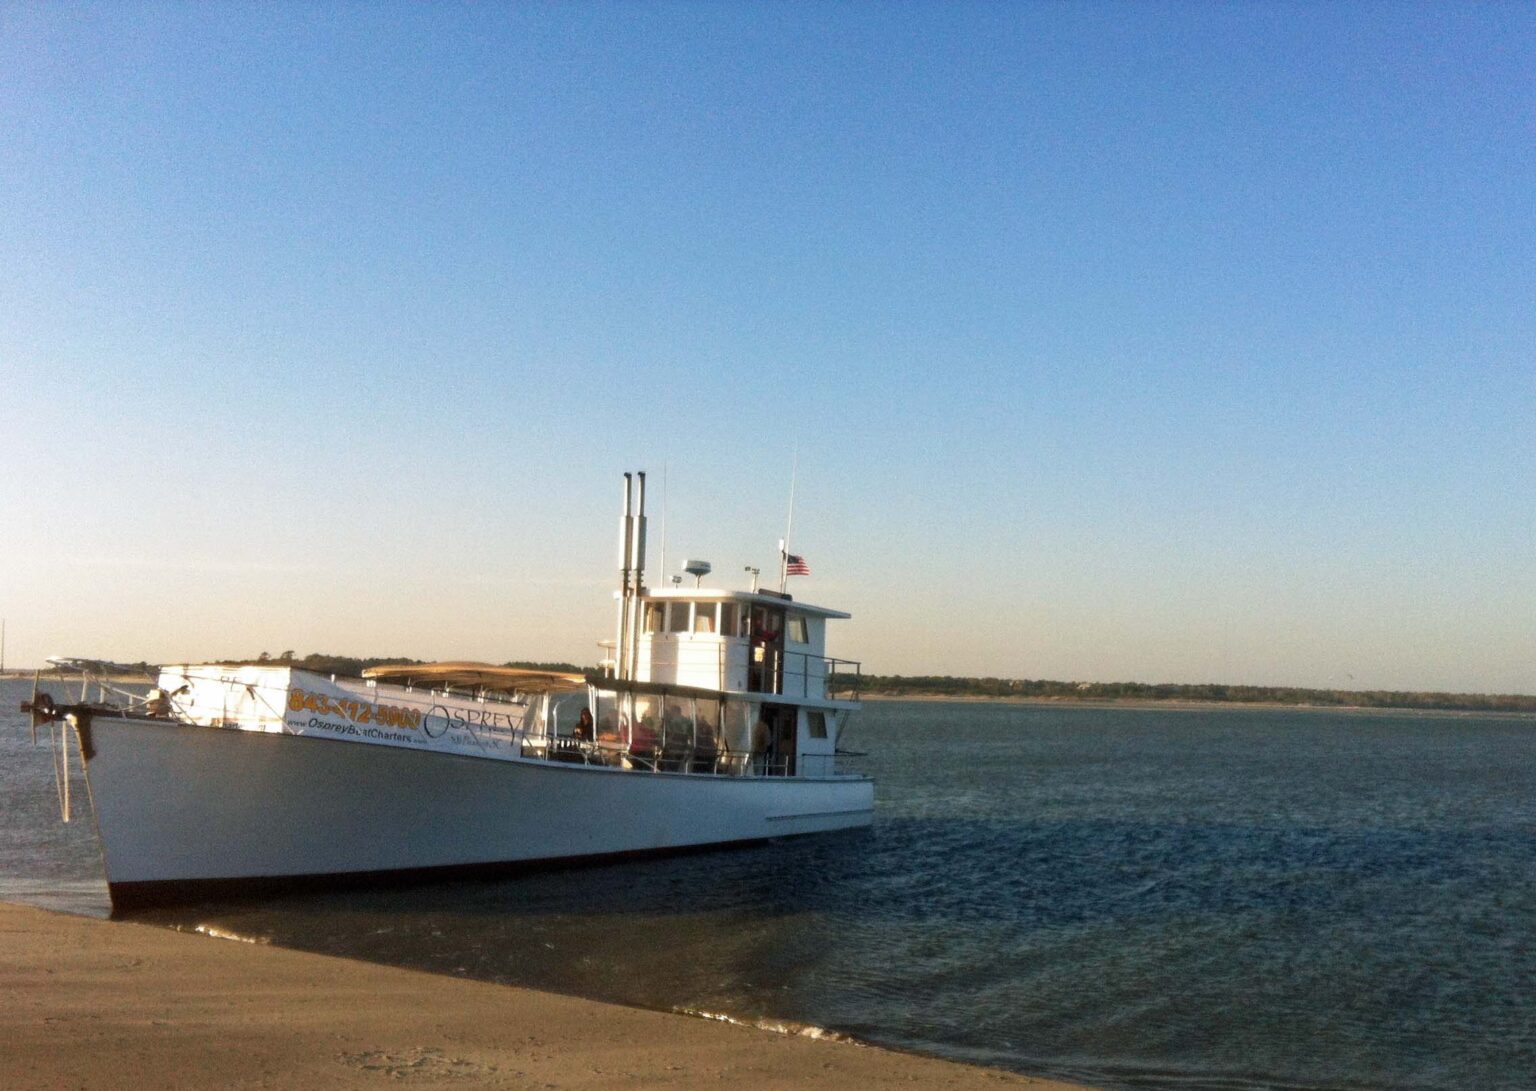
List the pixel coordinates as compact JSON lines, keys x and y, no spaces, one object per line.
{"x":734,"y":667}
{"x":845,"y":679}
{"x":702,"y":762}
{"x":225,"y":701}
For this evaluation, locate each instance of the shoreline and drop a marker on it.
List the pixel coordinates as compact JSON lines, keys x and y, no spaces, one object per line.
{"x":1178,"y":705}
{"x":1170,"y":704}
{"x":87,"y":1003}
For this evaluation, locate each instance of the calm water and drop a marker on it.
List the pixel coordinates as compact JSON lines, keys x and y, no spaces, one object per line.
{"x":1225,"y":899}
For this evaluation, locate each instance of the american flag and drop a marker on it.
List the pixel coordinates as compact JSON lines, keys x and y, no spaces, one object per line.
{"x":794,"y":565}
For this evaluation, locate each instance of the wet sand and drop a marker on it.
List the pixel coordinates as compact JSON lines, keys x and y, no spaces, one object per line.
{"x":95,"y":1004}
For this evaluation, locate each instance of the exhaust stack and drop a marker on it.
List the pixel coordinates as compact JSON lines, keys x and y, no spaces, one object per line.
{"x":626,"y":541}
{"x":637,"y":570}
{"x":626,"y":649}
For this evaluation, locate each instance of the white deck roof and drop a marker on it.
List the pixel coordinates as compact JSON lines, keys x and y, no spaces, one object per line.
{"x":718,"y":594}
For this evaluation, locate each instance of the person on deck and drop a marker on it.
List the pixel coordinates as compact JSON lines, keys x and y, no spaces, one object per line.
{"x":643,"y":742}
{"x":762,"y":739}
{"x":706,"y":749}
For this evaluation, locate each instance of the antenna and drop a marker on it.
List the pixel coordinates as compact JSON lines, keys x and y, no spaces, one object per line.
{"x":663,"y":516}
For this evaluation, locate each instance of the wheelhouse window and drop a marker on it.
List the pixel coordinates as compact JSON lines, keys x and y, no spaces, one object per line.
{"x":704,"y":617}
{"x":677,"y":617}
{"x":795,"y":632}
{"x":816,"y":724}
{"x":654,"y":611}
{"x":730,"y":619}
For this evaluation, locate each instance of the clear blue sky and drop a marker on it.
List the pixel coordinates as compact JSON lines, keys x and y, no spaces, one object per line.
{"x":1120,"y":341}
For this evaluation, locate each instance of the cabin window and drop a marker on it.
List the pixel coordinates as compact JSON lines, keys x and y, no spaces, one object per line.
{"x":767,"y":625}
{"x":653,"y":616}
{"x":607,"y":716}
{"x":707,"y":749}
{"x":704,"y":617}
{"x":642,"y":728}
{"x":677,"y":617}
{"x":563,"y":711}
{"x":796,"y":633}
{"x":677,"y":713}
{"x":816,"y":724}
{"x":730,"y":623}
{"x":676,"y":726}
{"x":736,"y":726}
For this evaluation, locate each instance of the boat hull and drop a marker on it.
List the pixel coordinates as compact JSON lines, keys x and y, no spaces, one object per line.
{"x":179,"y":805}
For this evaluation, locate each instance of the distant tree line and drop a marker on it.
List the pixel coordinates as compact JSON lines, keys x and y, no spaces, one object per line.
{"x":931,"y":685}
{"x":896,"y":685}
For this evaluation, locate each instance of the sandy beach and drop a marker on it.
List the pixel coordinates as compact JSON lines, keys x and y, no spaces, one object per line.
{"x":95,"y":1004}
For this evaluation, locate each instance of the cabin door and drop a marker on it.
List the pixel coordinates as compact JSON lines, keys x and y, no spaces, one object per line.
{"x":775,"y":739}
{"x":765,"y":667}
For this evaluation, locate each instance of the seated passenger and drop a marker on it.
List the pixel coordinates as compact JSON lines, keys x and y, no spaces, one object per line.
{"x":643,"y":740}
{"x":610,"y":739}
{"x":706,"y":748}
{"x":676,"y":742}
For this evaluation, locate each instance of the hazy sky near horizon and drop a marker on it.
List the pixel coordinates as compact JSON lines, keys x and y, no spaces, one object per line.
{"x":1167,"y":342}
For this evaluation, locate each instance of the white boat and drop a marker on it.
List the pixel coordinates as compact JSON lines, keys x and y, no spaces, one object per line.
{"x":716,"y":720}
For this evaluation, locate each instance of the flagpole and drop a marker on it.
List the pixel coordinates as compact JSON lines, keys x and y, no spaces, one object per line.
{"x":789,"y":523}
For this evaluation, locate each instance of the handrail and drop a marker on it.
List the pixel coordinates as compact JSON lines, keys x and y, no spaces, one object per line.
{"x":687,"y":745}
{"x":693,"y":761}
{"x":782,"y":672}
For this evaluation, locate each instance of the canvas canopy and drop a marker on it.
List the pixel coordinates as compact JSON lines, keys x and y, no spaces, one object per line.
{"x":477,"y":675}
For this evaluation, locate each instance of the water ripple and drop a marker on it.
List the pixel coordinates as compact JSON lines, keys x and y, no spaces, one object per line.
{"x":1212,"y":901}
